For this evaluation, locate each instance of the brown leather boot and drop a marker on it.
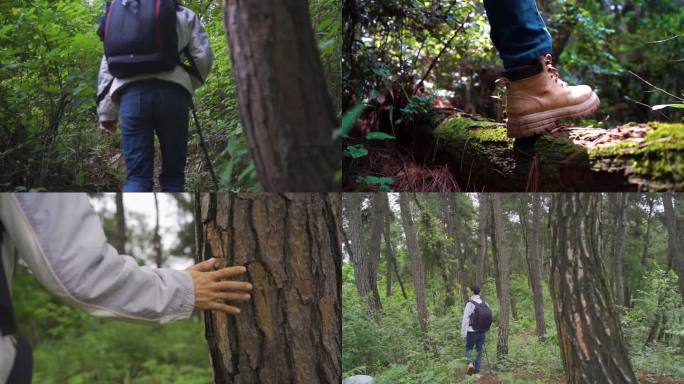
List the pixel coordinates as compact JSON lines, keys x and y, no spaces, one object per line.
{"x":537,"y":98}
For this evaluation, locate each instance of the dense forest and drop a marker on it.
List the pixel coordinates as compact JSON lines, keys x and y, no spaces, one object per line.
{"x":420,"y":81}
{"x":584,"y":287}
{"x":49,"y":140}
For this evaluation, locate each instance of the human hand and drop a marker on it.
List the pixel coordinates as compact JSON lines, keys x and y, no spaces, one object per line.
{"x":108,"y":126}
{"x":211,"y":290}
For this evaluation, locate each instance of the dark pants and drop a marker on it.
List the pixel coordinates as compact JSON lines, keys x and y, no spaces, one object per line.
{"x":518,"y":31}
{"x":147,"y":107}
{"x":475,"y":339}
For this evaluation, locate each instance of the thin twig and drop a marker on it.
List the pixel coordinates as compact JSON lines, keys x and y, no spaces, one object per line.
{"x":654,"y":87}
{"x":444,"y":48}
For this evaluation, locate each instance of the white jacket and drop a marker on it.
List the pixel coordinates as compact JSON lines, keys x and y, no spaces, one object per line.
{"x":191,"y":34}
{"x":469,"y":309}
{"x":61,"y":240}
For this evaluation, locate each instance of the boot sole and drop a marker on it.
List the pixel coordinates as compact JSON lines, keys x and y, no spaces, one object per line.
{"x":541,"y":122}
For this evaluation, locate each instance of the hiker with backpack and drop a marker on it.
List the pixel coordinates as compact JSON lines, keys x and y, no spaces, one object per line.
{"x":145,"y":82}
{"x":477,"y":319}
{"x":60,"y":238}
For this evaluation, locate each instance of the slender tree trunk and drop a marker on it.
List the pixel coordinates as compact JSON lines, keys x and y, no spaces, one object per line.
{"x":156,"y":240}
{"x":285,"y":107}
{"x":449,"y":217}
{"x":618,"y":257}
{"x":590,"y":338}
{"x":504,"y":274}
{"x":120,"y":239}
{"x":290,"y":331}
{"x":417,"y":269}
{"x":378,"y":206}
{"x":361,"y":260}
{"x":647,"y":237}
{"x":483,"y":215}
{"x":675,"y":251}
{"x":536,"y":267}
{"x":391,"y":260}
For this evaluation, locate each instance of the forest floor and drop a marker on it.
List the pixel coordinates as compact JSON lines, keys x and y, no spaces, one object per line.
{"x":541,"y":377}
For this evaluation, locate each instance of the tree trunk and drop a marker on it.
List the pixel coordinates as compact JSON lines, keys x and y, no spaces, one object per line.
{"x":449,"y":217}
{"x":618,"y":257}
{"x":290,"y":331}
{"x":590,"y":338}
{"x":417,"y":270}
{"x":156,"y":239}
{"x":285,"y":107}
{"x":378,"y":206}
{"x":120,"y":240}
{"x":391,"y":260}
{"x":504,"y":274}
{"x":647,"y":238}
{"x":536,"y":267}
{"x":483,"y":215}
{"x":366,"y":285}
{"x":675,"y":251}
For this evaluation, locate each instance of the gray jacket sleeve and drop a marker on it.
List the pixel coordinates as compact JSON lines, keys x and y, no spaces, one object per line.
{"x":61,"y":239}
{"x":107,"y":110}
{"x":198,"y":46}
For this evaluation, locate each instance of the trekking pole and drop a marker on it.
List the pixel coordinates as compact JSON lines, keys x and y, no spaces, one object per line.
{"x":484,"y":352}
{"x":204,"y":148}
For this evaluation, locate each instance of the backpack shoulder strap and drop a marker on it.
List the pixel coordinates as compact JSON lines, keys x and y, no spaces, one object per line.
{"x":8,"y":324}
{"x":475,"y":303}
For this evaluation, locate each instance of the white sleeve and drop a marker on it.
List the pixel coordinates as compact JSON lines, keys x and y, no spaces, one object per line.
{"x":466,"y":318}
{"x":60,"y":237}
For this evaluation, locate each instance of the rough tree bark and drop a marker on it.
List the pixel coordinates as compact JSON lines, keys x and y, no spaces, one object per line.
{"x":483,"y":215}
{"x":120,"y":240}
{"x":290,"y":331}
{"x":650,"y":201}
{"x":675,"y":251}
{"x":504,"y":274}
{"x":590,"y":338}
{"x":536,"y":267}
{"x":449,"y":217}
{"x":366,"y":284}
{"x":285,"y":107}
{"x":417,"y":269}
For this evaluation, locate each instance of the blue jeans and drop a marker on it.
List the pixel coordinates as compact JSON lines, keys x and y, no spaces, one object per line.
{"x":147,"y":107}
{"x":475,"y":339}
{"x":518,"y":31}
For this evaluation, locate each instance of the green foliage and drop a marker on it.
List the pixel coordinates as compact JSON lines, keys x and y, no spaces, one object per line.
{"x":383,"y":184}
{"x":72,"y":347}
{"x":356,"y":151}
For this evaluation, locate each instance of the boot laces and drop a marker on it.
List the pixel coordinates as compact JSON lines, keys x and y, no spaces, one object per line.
{"x":553,"y":71}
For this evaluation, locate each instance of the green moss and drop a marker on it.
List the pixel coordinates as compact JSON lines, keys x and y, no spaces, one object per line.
{"x":553,"y":151}
{"x":659,"y":157}
{"x":466,"y":128}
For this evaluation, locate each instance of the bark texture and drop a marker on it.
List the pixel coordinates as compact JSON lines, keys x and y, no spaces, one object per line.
{"x":285,"y":107}
{"x":417,"y":269}
{"x":290,"y":331}
{"x":483,"y":215}
{"x":590,"y":338}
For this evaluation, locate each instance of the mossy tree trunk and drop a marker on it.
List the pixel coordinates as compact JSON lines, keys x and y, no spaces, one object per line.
{"x":590,"y":338}
{"x":290,"y":331}
{"x":285,"y":107}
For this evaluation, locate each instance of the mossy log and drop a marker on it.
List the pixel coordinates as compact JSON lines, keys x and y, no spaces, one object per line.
{"x":643,"y":157}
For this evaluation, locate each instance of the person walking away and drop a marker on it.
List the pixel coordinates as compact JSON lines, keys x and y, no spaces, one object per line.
{"x":477,"y":319}
{"x":143,"y":80}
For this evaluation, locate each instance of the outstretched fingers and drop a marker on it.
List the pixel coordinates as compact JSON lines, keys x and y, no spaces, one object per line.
{"x":227,"y":272}
{"x":216,"y":306}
